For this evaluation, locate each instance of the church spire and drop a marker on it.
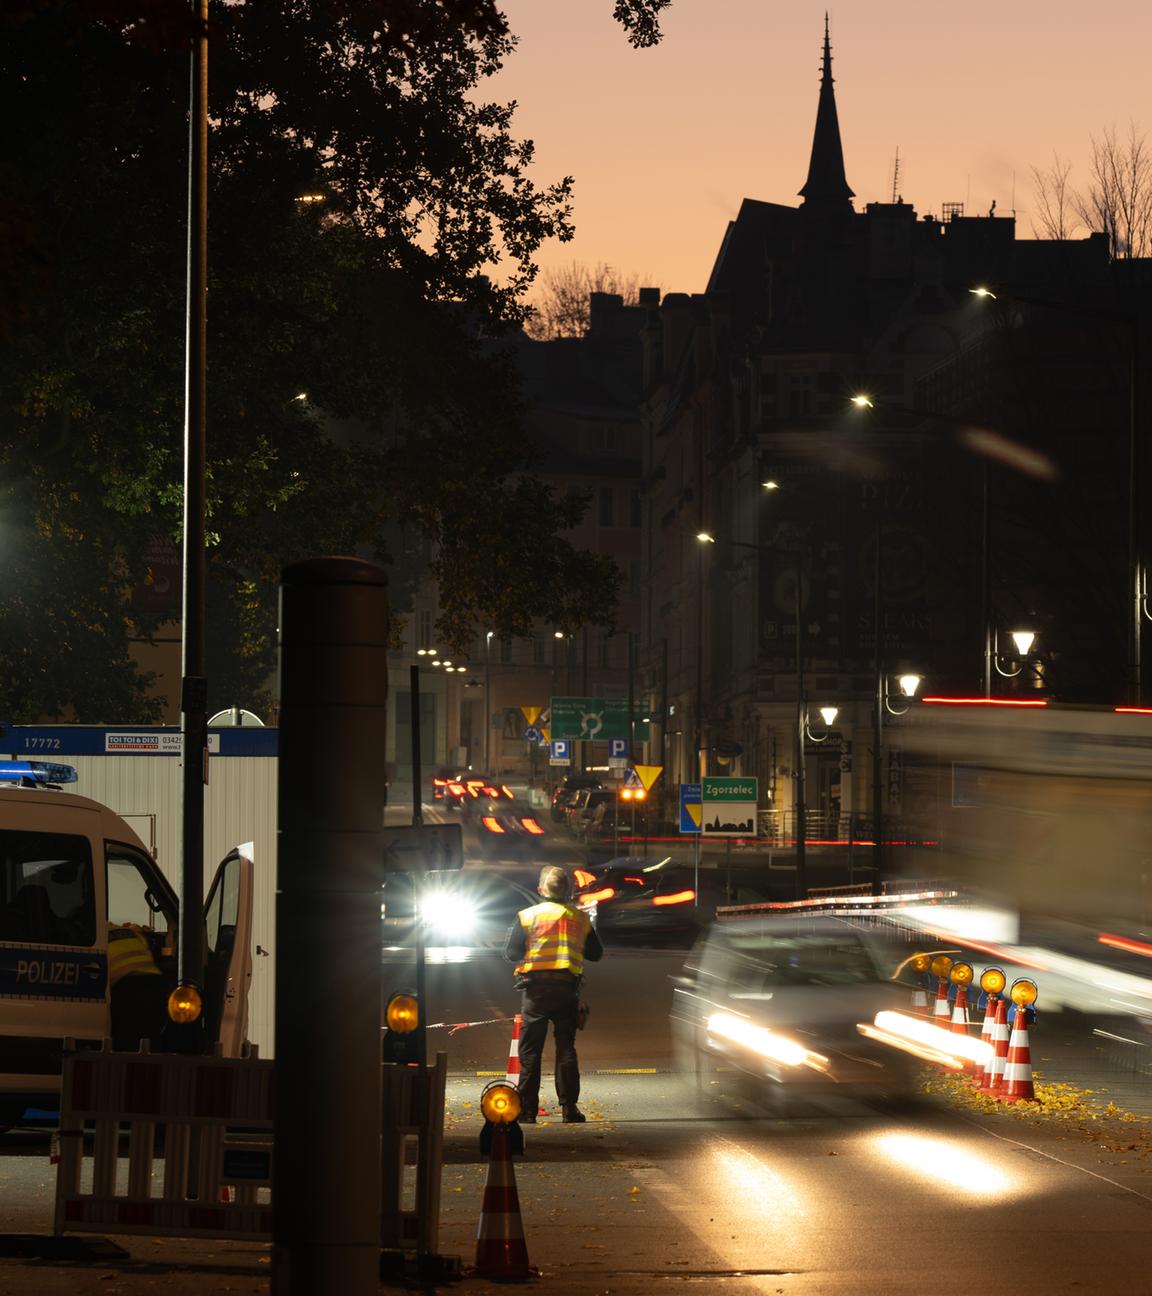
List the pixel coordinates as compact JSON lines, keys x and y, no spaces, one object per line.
{"x":827,"y":185}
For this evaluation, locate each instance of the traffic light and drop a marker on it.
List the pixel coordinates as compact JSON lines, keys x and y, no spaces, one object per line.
{"x":404,"y":1032}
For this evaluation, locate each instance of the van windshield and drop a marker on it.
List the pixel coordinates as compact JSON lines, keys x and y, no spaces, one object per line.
{"x":768,"y":962}
{"x":46,"y":892}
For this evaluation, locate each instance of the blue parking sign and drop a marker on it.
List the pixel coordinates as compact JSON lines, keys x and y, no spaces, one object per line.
{"x":561,"y":751}
{"x":618,"y":748}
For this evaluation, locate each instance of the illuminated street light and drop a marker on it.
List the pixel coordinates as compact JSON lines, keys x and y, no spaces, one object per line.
{"x":705,"y":537}
{"x":770,"y":485}
{"x":861,"y":401}
{"x":1023,"y":639}
{"x":983,"y":292}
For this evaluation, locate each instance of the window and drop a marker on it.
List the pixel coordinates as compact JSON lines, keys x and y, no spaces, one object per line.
{"x":604,"y":437}
{"x":134,"y":896}
{"x":607,"y":506}
{"x":539,"y":650}
{"x":636,"y":517}
{"x":424,"y":630}
{"x":47,"y":895}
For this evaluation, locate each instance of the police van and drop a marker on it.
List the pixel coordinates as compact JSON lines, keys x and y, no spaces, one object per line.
{"x":73,"y":875}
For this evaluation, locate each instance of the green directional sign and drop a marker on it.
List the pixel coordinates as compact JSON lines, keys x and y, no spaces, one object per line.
{"x":589,"y":717}
{"x":731,"y":789}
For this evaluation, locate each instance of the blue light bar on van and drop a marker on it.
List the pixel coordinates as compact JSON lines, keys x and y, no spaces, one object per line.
{"x":31,"y":773}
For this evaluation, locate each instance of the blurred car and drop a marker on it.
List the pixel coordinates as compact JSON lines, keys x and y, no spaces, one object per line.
{"x":565,"y":793}
{"x":505,"y":825}
{"x":464,"y":913}
{"x":637,"y":902}
{"x":778,"y":1001}
{"x":594,"y":805}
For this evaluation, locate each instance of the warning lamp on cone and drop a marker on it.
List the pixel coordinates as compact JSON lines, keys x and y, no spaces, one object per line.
{"x":185,"y":1005}
{"x":993,"y":980}
{"x":1024,"y":992}
{"x":961,"y":974}
{"x":941,"y":965}
{"x":500,"y":1103}
{"x":920,"y":962}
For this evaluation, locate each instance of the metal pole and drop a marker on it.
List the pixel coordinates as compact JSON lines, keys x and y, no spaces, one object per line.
{"x":327,"y":1121}
{"x":488,"y":702}
{"x":417,"y":878}
{"x":1135,"y":571}
{"x":700,"y":664}
{"x":194,"y":685}
{"x":878,"y":710}
{"x":986,"y":572}
{"x":799,"y":810}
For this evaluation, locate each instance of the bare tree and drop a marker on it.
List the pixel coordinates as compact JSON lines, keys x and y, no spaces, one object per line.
{"x":1117,"y":200}
{"x":1056,"y":216}
{"x":562,"y":307}
{"x":1119,"y":195}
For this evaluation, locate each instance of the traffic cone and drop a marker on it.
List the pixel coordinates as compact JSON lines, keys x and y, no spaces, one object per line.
{"x":1018,"y":1085}
{"x":513,"y":1076}
{"x":959,"y":1024}
{"x":998,"y":1062}
{"x":920,"y":1000}
{"x":983,"y":1075}
{"x":501,"y":1252}
{"x":941,"y":1011}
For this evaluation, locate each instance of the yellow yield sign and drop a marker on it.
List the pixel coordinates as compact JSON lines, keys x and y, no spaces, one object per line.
{"x":530,"y":713}
{"x":648,"y":774}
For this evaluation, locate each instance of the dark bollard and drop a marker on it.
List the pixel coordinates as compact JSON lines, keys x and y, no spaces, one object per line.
{"x":333,"y":695}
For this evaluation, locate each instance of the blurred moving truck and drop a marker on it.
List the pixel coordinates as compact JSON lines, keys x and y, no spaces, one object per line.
{"x":73,"y":873}
{"x":1047,"y":807}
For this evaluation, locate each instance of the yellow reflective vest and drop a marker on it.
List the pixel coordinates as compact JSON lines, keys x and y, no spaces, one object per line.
{"x":129,"y":954}
{"x":554,"y":936}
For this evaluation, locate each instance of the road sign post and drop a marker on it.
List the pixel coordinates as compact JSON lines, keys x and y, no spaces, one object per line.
{"x":729,"y":807}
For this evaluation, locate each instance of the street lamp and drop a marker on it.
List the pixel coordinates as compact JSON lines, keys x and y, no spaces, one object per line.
{"x":1023,"y":640}
{"x":1135,"y":593}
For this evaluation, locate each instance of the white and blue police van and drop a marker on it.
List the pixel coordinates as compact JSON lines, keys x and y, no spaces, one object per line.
{"x":71,"y":873}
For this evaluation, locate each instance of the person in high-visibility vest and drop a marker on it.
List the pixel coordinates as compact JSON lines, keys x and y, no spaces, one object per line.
{"x":138,"y":988}
{"x":549,"y":943}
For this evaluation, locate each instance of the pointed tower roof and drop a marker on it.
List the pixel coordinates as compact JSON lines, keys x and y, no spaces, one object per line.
{"x":827,"y":185}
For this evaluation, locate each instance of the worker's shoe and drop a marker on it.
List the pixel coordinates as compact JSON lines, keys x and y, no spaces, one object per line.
{"x":572,"y":1115}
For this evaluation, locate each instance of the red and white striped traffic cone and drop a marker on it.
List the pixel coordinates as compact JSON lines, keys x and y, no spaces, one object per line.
{"x":513,"y":1076}
{"x":941,"y":1011}
{"x":501,"y":1251}
{"x":920,"y":1000}
{"x":983,"y":1075}
{"x":1018,"y":1085}
{"x":998,"y":1062}
{"x":959,"y":1024}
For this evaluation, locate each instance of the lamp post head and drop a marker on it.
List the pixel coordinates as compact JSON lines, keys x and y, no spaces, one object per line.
{"x":1023,"y":639}
{"x":981,"y":291}
{"x":705,"y":537}
{"x":770,"y":485}
{"x":557,"y":634}
{"x":863,"y":401}
{"x":828,"y":714}
{"x":910,"y":684}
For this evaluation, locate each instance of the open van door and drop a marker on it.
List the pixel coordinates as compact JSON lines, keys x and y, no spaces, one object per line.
{"x":228,"y":919}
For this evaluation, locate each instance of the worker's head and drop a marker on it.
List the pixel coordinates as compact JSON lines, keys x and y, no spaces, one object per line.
{"x":555,"y":883}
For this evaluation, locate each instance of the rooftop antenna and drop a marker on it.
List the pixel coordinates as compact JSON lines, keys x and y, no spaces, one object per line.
{"x":896,"y":175}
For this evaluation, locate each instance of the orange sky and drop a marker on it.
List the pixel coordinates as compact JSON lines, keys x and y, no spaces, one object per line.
{"x":665,"y":143}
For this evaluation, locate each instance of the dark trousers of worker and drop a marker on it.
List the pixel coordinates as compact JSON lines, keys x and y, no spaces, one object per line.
{"x":545,"y":1000}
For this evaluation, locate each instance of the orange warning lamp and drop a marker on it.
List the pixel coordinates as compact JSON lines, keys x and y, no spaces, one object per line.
{"x":402,"y":1014}
{"x":921,"y":962}
{"x":185,"y":1005}
{"x":961,"y":974}
{"x":941,"y":965}
{"x":993,"y":980}
{"x":1024,"y":992}
{"x":499,"y":1103}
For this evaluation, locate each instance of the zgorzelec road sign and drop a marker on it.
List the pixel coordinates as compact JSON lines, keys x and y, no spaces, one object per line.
{"x":589,"y":717}
{"x":690,"y":808}
{"x":561,"y":752}
{"x":728,"y":807}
